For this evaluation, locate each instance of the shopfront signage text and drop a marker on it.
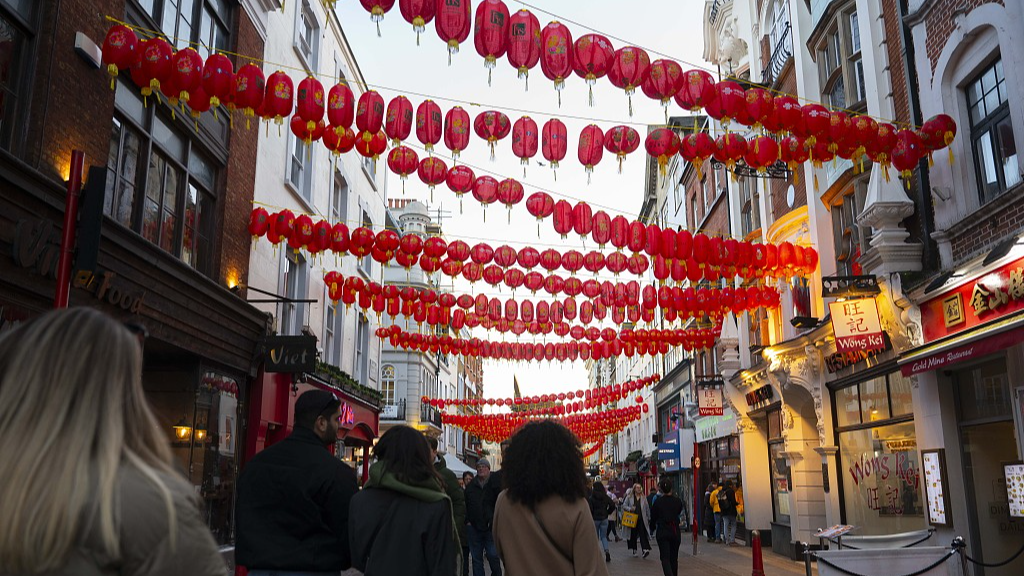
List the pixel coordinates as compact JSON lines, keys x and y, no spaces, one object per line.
{"x":709,"y":401}
{"x":856,"y":325}
{"x":103,"y":287}
{"x":842,"y":360}
{"x":348,"y":415}
{"x":893,"y":475}
{"x":997,"y":293}
{"x":713,"y":427}
{"x":290,"y":353}
{"x":762,"y":394}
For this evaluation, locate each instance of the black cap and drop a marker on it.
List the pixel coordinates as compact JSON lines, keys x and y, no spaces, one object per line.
{"x":315,"y":402}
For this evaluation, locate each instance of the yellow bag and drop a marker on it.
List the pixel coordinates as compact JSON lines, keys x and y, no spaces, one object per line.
{"x":629,"y":519}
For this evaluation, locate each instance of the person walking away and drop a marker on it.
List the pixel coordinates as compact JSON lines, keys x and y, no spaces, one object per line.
{"x":652,"y":496}
{"x":636,"y":503}
{"x":542,"y":521}
{"x":613,"y":518}
{"x":111,"y":501}
{"x":716,"y":507}
{"x":665,"y":515}
{"x":293,"y":497}
{"x":458,"y":498}
{"x":707,"y":514}
{"x":481,"y":497}
{"x":401,"y":522}
{"x":601,"y":506}
{"x":727,"y":505}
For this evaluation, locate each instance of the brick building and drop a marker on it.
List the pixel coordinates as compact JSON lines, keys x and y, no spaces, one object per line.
{"x":176,"y":203}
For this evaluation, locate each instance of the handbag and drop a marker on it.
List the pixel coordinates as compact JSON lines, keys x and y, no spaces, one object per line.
{"x":629,"y":519}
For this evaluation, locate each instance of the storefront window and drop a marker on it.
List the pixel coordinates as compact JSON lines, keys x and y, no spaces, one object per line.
{"x":984,"y":392}
{"x":900,"y":395}
{"x":881,"y":479}
{"x":780,"y":481}
{"x":847,"y":406}
{"x":880,"y":398}
{"x":874,"y":400}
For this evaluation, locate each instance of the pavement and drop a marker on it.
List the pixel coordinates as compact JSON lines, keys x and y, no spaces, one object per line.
{"x":711,"y":560}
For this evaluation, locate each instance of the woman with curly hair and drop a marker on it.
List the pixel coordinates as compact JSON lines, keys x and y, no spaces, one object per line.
{"x":542,"y":521}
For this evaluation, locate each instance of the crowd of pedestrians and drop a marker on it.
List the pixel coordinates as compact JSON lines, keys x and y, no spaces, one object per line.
{"x":299,"y":510}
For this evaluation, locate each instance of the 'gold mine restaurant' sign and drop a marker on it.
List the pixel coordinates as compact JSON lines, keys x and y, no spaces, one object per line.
{"x":996,"y":294}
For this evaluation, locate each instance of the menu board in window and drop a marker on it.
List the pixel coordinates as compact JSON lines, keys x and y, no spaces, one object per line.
{"x":1015,"y":489}
{"x":934,"y":466}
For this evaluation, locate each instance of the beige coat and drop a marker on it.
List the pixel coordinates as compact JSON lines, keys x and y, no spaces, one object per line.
{"x":142,"y":526}
{"x":526,"y":550}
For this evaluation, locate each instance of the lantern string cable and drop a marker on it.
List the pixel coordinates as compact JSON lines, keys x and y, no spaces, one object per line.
{"x":366,"y":85}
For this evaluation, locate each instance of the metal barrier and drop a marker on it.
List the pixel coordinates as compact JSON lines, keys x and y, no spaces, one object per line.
{"x":898,"y":561}
{"x":900,"y":540}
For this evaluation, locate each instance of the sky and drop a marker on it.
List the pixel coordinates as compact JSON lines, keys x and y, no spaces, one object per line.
{"x":393,"y":64}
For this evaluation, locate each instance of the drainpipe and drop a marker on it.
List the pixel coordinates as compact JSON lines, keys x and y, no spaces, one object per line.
{"x":923,"y":189}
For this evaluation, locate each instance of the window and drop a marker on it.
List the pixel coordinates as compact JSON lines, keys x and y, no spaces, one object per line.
{"x":334,"y":331}
{"x":339,"y":201}
{"x":694,"y":221}
{"x":370,"y":166}
{"x":884,"y":397}
{"x":840,"y":63}
{"x":387,"y":386}
{"x":14,"y":45}
{"x":850,"y":238}
{"x":366,"y":262}
{"x":363,"y":350}
{"x":202,"y":22}
{"x":801,"y":290}
{"x":680,"y":193}
{"x":995,"y":152}
{"x":780,"y":27}
{"x":759,"y":335}
{"x":296,"y":285}
{"x":160,"y":183}
{"x":750,"y":209}
{"x":307,"y":35}
{"x":300,"y":168}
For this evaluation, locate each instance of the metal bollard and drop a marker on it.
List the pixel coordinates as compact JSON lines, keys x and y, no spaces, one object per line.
{"x":807,"y":559}
{"x":758,"y":568}
{"x":960,"y":545}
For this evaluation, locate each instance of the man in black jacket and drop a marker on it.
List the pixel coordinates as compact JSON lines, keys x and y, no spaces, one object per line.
{"x":481,"y":496}
{"x":293,"y":498}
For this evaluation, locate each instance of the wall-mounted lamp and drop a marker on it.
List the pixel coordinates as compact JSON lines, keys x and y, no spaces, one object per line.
{"x":182,"y":431}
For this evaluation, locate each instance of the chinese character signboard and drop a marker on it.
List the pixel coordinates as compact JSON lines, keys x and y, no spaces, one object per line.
{"x":856,"y":325}
{"x":709,"y":401}
{"x":934,"y":464}
{"x":994,"y":295}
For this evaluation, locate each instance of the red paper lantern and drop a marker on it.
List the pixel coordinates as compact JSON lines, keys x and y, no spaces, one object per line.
{"x":730,"y":148}
{"x":762,"y":154}
{"x":793,"y":152}
{"x":540,"y":205}
{"x":582,"y":219}
{"x":377,"y":10}
{"x":591,"y":148}
{"x":460,"y":180}
{"x":592,"y":58}
{"x":485,"y":190}
{"x":398,"y":122}
{"x":432,"y":171}
{"x":218,"y":79}
{"x":556,"y":55}
{"x":696,"y":148}
{"x":907,"y":152}
{"x":341,"y":107}
{"x":456,"y":130}
{"x":937,"y":133}
{"x":259,"y":223}
{"x":199,"y":102}
{"x":370,"y":113}
{"x":816,"y":122}
{"x":281,"y":226}
{"x":120,"y":50}
{"x":419,"y":13}
{"x":620,"y":232}
{"x":630,"y":69}
{"x":371,"y":145}
{"x":491,"y":36}
{"x":301,"y":129}
{"x":154,"y":64}
{"x":403,"y":161}
{"x":663,"y":81}
{"x":554,"y":143}
{"x":730,"y":102}
{"x":789,"y":115}
{"x":510,"y":193}
{"x":563,"y":218}
{"x":696,"y":90}
{"x":524,"y":140}
{"x":662,"y":144}
{"x":302,"y":233}
{"x":492,"y":126}
{"x":428,"y":124}
{"x":523,"y":43}
{"x":602,"y":228}
{"x":278,"y":99}
{"x":621,"y":140}
{"x":184,"y":77}
{"x":528,"y":257}
{"x":760,"y":107}
{"x":310,"y":102}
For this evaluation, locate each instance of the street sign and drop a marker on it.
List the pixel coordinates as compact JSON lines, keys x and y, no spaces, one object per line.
{"x":696,"y":462}
{"x":668,"y":451}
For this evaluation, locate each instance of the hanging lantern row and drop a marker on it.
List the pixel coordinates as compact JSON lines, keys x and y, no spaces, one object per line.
{"x":593,"y":449}
{"x":590,"y":428}
{"x":185,"y":78}
{"x":604,"y":393}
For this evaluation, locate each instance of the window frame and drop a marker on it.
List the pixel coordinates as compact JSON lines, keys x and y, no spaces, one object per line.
{"x":304,"y":189}
{"x":366,"y":262}
{"x":362,"y":366}
{"x":387,"y":384}
{"x":839,"y":62}
{"x":850,"y":203}
{"x":220,"y":14}
{"x":309,"y":55}
{"x":19,"y":83}
{"x":988,"y":128}
{"x":295,"y":267}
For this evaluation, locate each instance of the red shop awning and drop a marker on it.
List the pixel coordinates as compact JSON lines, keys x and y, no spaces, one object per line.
{"x":975,"y":343}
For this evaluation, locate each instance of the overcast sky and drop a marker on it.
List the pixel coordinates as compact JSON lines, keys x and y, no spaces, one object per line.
{"x":393,"y":65}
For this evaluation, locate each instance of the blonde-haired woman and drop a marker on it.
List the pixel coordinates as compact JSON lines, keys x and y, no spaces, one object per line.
{"x":636,"y":502}
{"x":87,"y":487}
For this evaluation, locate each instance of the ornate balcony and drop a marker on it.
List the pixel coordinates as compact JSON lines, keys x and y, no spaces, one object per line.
{"x":393,"y":411}
{"x":781,"y":55}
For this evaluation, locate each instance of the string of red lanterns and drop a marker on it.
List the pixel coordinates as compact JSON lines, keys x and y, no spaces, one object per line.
{"x":593,"y":397}
{"x":590,"y":428}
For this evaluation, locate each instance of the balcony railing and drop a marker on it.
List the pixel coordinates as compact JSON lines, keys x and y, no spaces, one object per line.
{"x":715,"y":7}
{"x":393,"y":411}
{"x":430,"y":415}
{"x":781,"y":53}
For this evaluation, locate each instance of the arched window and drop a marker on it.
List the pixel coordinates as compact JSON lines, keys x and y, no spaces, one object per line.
{"x":387,"y":383}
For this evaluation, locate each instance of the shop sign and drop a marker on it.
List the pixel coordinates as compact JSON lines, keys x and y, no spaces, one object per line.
{"x":935,"y":486}
{"x":712,"y":427}
{"x":856,"y":325}
{"x":709,"y":401}
{"x":996,"y":294}
{"x":884,"y":479}
{"x":963,"y":353}
{"x":761,"y":395}
{"x":842,"y":360}
{"x":290,"y":353}
{"x":1015,"y":488}
{"x":348,"y":415}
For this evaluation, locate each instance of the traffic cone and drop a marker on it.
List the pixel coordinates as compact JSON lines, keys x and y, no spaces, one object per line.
{"x":756,"y":554}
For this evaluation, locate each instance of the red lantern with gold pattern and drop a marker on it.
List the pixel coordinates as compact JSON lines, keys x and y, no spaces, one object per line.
{"x":907,"y":152}
{"x":631,"y":67}
{"x":525,"y":137}
{"x":120,"y":50}
{"x":303,"y":132}
{"x":663,"y":81}
{"x":637,"y":236}
{"x":218,"y":80}
{"x":620,"y":232}
{"x":696,"y":148}
{"x":528,"y":257}
{"x":341,"y":107}
{"x":621,"y":140}
{"x":540,"y":205}
{"x":154,"y":65}
{"x":398,"y":122}
{"x":593,"y":55}
{"x":309,"y":102}
{"x":840,"y":129}
{"x":510,"y":193}
{"x":281,"y":226}
{"x":419,"y":13}
{"x":662,"y":144}
{"x":453,"y":23}
{"x":937,"y":133}
{"x":377,"y":10}
{"x":523,"y":43}
{"x":591,"y":148}
{"x":456,"y":130}
{"x":582,"y":219}
{"x":279,"y":97}
{"x":259,"y":222}
{"x":696,"y":90}
{"x":428,"y":124}
{"x":371,"y":145}
{"x":370,"y":112}
{"x":432,"y":171}
{"x":730,"y":148}
{"x":556,"y":55}
{"x":602,"y":228}
{"x":816,"y":122}
{"x":460,"y":179}
{"x":485,"y":190}
{"x":491,"y":35}
{"x":760,"y":107}
{"x":762,"y":153}
{"x":302,"y":233}
{"x":563,"y":218}
{"x":793,"y":152}
{"x":789,"y":115}
{"x":403,"y":161}
{"x":492,"y":126}
{"x":185,"y":76}
{"x":880,"y":149}
{"x":554,"y":143}
{"x":731,"y":101}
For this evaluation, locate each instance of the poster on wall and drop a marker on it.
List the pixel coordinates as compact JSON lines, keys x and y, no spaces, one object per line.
{"x":934,"y":467}
{"x":1015,"y":489}
{"x":856,"y":325}
{"x":709,"y":401}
